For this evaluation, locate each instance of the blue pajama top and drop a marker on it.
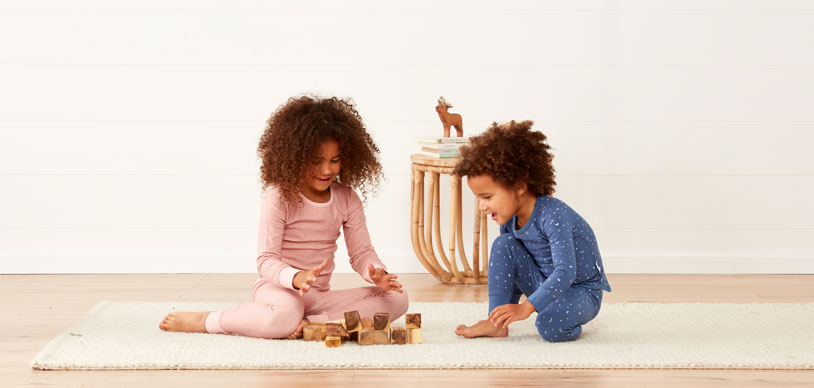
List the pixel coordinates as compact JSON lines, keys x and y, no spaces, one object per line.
{"x":563,"y":246}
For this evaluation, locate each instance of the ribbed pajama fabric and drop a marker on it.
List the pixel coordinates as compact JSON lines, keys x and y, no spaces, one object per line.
{"x":275,"y":312}
{"x":299,"y":237}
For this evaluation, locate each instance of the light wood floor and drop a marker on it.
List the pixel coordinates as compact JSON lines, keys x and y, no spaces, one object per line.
{"x":35,"y":308}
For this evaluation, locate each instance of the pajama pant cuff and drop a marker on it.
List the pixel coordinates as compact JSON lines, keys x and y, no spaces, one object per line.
{"x":213,"y":323}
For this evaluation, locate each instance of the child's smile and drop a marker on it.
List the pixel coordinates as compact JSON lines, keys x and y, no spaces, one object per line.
{"x":501,"y":203}
{"x":322,"y":172}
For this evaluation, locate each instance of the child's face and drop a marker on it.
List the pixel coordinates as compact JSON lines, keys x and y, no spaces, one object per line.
{"x":324,"y":168}
{"x":494,"y":199}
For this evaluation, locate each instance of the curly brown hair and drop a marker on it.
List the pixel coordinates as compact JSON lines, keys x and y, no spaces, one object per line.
{"x":511,"y":154}
{"x":294,"y":133}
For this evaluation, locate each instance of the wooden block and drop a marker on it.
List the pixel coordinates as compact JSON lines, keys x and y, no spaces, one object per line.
{"x":352,"y":321}
{"x":332,"y":329}
{"x":413,"y":336}
{"x":413,"y":321}
{"x":336,"y":330}
{"x":381,"y":321}
{"x":367,"y":323}
{"x":333,"y":342}
{"x":398,"y":335}
{"x":354,"y":336}
{"x":313,"y":333}
{"x":373,"y":337}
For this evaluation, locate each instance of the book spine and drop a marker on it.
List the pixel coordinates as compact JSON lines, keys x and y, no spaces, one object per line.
{"x":443,"y":140}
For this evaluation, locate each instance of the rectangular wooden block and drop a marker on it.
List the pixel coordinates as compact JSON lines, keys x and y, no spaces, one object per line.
{"x":313,"y":333}
{"x":336,"y":330}
{"x":367,"y":323}
{"x":333,"y":342}
{"x":413,"y":336}
{"x":381,"y":321}
{"x":374,"y":337}
{"x":413,"y":321}
{"x":352,"y":321}
{"x":398,"y":335}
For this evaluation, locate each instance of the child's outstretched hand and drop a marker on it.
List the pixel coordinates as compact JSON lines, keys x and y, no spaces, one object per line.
{"x":304,"y":279}
{"x":384,"y":280}
{"x":502,"y":316}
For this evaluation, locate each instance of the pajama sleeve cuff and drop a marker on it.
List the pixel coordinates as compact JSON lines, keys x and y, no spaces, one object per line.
{"x":286,"y":277}
{"x":540,"y":298}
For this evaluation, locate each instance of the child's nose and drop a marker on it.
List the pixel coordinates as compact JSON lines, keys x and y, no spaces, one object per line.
{"x":482,"y":205}
{"x":325,"y":169}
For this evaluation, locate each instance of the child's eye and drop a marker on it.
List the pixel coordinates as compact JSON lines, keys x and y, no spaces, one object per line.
{"x":335,"y":161}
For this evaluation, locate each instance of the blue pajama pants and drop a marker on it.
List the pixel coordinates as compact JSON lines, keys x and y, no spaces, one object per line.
{"x":513,"y":271}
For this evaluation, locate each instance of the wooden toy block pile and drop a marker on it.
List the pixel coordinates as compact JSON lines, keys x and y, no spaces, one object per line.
{"x":365,"y":331}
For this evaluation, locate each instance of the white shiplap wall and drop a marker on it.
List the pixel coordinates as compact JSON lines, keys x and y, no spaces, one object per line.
{"x":682,"y":129}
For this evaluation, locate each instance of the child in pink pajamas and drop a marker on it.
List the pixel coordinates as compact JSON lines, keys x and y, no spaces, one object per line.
{"x":314,"y":151}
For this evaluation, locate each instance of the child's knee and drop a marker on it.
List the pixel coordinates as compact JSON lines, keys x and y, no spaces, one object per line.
{"x":378,"y":300}
{"x":279,"y":321}
{"x":401,"y":304}
{"x":556,"y":332}
{"x":396,"y":303}
{"x":503,"y":241}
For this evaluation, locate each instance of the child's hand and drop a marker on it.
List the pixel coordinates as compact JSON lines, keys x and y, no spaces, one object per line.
{"x":383,"y":279}
{"x":304,"y":279}
{"x":502,"y":316}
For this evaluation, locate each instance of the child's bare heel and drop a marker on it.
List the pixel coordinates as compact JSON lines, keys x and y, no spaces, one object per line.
{"x":183,"y":321}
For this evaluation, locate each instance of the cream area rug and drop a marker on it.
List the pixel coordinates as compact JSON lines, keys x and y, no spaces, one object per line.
{"x":118,"y":335}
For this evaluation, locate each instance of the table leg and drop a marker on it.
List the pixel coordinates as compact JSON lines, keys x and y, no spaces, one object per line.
{"x":484,"y":248}
{"x":429,"y":252}
{"x":416,"y":204}
{"x":459,"y":214}
{"x":476,"y":243}
{"x":437,"y":223}
{"x":453,"y":227}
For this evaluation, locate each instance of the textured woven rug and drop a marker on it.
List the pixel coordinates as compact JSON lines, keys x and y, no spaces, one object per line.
{"x":125,"y":335}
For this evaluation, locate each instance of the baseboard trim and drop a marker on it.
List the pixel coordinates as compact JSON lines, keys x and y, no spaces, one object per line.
{"x":399,"y":263}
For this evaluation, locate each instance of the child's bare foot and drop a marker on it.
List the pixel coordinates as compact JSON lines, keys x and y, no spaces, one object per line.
{"x":188,"y":322}
{"x":300,"y":328}
{"x":484,"y":328}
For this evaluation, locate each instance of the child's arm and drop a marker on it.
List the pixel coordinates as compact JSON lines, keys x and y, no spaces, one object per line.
{"x":357,"y":239}
{"x":270,"y":241}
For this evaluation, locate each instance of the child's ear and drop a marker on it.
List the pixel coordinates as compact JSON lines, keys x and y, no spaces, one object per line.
{"x":520,"y":188}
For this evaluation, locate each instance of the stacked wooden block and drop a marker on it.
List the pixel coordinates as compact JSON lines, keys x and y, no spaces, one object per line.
{"x":365,"y":331}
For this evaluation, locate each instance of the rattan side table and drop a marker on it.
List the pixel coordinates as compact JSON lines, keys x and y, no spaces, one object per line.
{"x":422,"y":237}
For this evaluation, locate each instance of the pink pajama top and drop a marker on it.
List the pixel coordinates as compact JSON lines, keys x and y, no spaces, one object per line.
{"x":301,"y":236}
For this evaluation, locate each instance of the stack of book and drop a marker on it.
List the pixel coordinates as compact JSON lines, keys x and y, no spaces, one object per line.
{"x":441,"y":147}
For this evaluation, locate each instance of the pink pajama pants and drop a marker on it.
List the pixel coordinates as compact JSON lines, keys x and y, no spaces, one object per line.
{"x":275,"y":312}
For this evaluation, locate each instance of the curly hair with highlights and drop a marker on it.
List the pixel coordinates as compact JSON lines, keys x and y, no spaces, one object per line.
{"x":294,"y":133}
{"x":511,"y":154}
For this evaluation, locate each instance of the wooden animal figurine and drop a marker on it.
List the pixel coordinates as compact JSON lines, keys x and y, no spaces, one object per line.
{"x":449,"y":119}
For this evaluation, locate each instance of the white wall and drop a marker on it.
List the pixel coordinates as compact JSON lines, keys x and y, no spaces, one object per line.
{"x":682,"y":129}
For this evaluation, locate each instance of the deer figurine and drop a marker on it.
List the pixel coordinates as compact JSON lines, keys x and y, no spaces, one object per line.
{"x":449,"y":119}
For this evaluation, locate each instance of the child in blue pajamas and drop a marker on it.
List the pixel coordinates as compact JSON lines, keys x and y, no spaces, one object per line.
{"x":545,"y":250}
